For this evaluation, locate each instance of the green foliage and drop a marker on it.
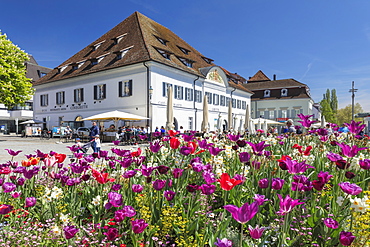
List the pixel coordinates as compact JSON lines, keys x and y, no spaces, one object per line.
{"x":334,"y":100}
{"x":16,"y":88}
{"x":344,"y":115}
{"x":329,"y":106}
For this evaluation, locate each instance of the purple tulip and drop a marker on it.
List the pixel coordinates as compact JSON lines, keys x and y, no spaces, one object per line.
{"x":70,"y":231}
{"x":244,"y":157}
{"x":355,"y":127}
{"x":263,"y":183}
{"x":207,"y":189}
{"x":138,"y":226}
{"x":260,"y":199}
{"x":169,"y":195}
{"x":256,"y":165}
{"x":240,"y":177}
{"x":349,"y":175}
{"x":258,"y":148}
{"x":197,"y":167}
{"x":223,"y":243}
{"x":301,"y":183}
{"x":30,"y":202}
{"x":184,"y":150}
{"x":346,"y":238}
{"x":114,"y":200}
{"x":209,"y":177}
{"x":159,"y":184}
{"x":137,"y":188}
{"x":129,"y":174}
{"x":203,"y":144}
{"x":287,"y":204}
{"x":8,"y":187}
{"x":241,"y":143}
{"x":256,"y":232}
{"x":294,"y":167}
{"x":155,"y":146}
{"x":16,"y":194}
{"x":146,"y":171}
{"x":243,"y":214}
{"x":117,"y":142}
{"x":187,"y":138}
{"x":324,"y":177}
{"x":111,"y":234}
{"x":350,"y":151}
{"x":322,"y":132}
{"x":214,"y":150}
{"x":163,"y":169}
{"x":351,"y":189}
{"x":306,"y":122}
{"x":233,"y":138}
{"x":365,"y":164}
{"x":331,"y":223}
{"x":177,"y":172}
{"x":13,"y":153}
{"x":192,"y":187}
{"x":5,"y":209}
{"x":277,"y":183}
{"x":116,"y":187}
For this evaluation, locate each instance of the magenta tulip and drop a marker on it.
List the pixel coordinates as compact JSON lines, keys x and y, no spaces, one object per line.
{"x":30,"y":202}
{"x":331,"y":223}
{"x":138,"y":226}
{"x":243,"y":214}
{"x":70,"y":231}
{"x":287,"y":204}
{"x":346,"y":238}
{"x":256,"y":232}
{"x":351,"y":189}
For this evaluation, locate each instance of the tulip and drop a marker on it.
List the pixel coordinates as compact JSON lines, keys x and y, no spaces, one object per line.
{"x":287,"y":204}
{"x":169,"y":195}
{"x":155,"y":146}
{"x":207,"y":189}
{"x":5,"y":209}
{"x":365,"y":164}
{"x":277,"y":183}
{"x":13,"y":153}
{"x":177,"y":172}
{"x":243,"y":214}
{"x":8,"y":187}
{"x":346,"y":238}
{"x":355,"y":127}
{"x":111,"y":234}
{"x":159,"y":184}
{"x":233,"y":138}
{"x":138,"y":226}
{"x":174,"y":143}
{"x":349,"y":175}
{"x":187,"y":138}
{"x":137,"y":188}
{"x":214,"y":151}
{"x":263,"y":183}
{"x":350,"y":151}
{"x":258,"y":148}
{"x":116,"y":187}
{"x":244,"y":157}
{"x":260,"y":199}
{"x":30,"y":202}
{"x":306,"y":122}
{"x":351,"y":189}
{"x":70,"y":231}
{"x":223,"y":243}
{"x":331,"y":223}
{"x":129,"y":174}
{"x":114,"y":199}
{"x":192,"y":187}
{"x":209,"y":177}
{"x":256,"y":232}
{"x":184,"y":150}
{"x":228,"y":183}
{"x":163,"y":169}
{"x":294,"y":167}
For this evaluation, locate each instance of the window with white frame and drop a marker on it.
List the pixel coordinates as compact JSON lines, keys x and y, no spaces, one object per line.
{"x":198,"y":96}
{"x":228,"y":101}
{"x":165,"y":54}
{"x":100,"y":92}
{"x":234,"y":103}
{"x":271,"y":114}
{"x":187,"y":62}
{"x":222,"y":100}
{"x":266,"y":93}
{"x":239,"y":104}
{"x":122,"y":53}
{"x":165,"y":87}
{"x":244,"y":105}
{"x":209,"y":97}
{"x":60,"y":98}
{"x":284,"y":113}
{"x":189,"y":94}
{"x":284,"y":92}
{"x":178,"y":92}
{"x":44,"y":99}
{"x":78,"y":95}
{"x":125,"y":88}
{"x":190,"y":123}
{"x":216,"y":99}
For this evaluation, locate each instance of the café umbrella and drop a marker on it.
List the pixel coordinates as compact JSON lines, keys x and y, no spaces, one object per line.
{"x":170,"y":119}
{"x":205,"y":114}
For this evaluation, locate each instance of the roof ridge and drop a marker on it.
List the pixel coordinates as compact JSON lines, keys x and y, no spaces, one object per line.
{"x":137,"y":13}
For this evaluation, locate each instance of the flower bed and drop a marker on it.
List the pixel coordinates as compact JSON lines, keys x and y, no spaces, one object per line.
{"x":301,"y":190}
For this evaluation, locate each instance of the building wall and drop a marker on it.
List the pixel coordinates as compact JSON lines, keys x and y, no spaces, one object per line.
{"x":184,"y":110}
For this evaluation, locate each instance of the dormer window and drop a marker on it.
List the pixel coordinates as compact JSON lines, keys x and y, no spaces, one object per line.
{"x":162,"y":41}
{"x":94,"y":61}
{"x":187,"y":62}
{"x":117,"y":39}
{"x":61,"y":69}
{"x":208,"y":60}
{"x":185,"y":51}
{"x":96,"y":46}
{"x":266,"y":93}
{"x":164,"y":53}
{"x":122,"y":53}
{"x":284,"y":92}
{"x":74,"y":66}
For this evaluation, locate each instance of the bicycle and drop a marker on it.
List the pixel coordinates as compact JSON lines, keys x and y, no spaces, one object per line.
{"x":45,"y":134}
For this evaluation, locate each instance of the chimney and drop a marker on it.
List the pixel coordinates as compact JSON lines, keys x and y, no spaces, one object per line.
{"x":274,"y":76}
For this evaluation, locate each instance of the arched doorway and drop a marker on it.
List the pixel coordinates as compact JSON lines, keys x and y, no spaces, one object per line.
{"x":175,"y":124}
{"x":224,"y":126}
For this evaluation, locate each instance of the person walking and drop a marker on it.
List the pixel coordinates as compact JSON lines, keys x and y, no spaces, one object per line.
{"x":94,"y":130}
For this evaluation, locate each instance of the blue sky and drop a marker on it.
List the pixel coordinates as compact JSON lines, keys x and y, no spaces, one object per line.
{"x":324,"y":44}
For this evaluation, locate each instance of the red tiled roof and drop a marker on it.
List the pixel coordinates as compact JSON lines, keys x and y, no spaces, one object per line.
{"x":258,"y":77}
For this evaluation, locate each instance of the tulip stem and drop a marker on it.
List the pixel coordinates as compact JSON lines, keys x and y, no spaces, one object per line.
{"x":241,"y":235}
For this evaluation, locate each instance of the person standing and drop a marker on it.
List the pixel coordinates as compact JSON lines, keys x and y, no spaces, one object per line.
{"x":94,"y":130}
{"x":97,"y":144}
{"x":290,"y":126}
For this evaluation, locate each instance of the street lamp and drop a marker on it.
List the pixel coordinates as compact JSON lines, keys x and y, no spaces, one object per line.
{"x":150,"y":92}
{"x":353,"y":90}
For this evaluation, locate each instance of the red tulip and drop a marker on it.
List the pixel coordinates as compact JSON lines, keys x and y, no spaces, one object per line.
{"x":174,"y":143}
{"x":60,"y":157}
{"x":228,"y":183}
{"x":101,"y":178}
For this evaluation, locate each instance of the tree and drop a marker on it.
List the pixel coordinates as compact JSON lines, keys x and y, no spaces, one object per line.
{"x":15,"y":87}
{"x":344,"y":115}
{"x":334,"y":100}
{"x":327,"y":112}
